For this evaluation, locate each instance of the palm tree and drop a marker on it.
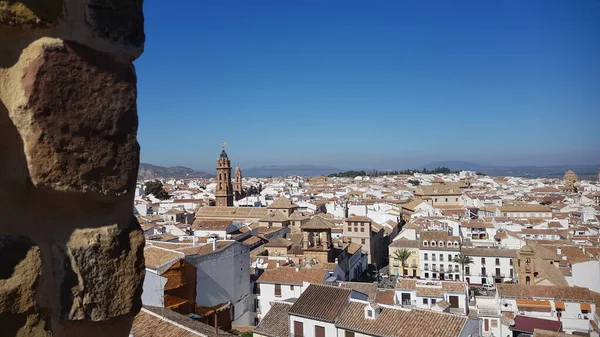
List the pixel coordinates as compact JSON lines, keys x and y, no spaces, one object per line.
{"x":464,"y":261}
{"x":402,"y":255}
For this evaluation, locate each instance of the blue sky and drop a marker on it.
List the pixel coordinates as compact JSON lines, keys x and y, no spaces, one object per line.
{"x":370,"y":84}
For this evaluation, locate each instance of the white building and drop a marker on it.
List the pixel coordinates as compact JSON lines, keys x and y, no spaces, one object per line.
{"x":490,"y":265}
{"x":437,"y":250}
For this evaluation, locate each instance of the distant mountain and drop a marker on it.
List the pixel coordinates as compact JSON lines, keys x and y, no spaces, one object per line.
{"x":286,"y":170}
{"x":148,"y":171}
{"x":453,"y":165}
{"x":554,"y":171}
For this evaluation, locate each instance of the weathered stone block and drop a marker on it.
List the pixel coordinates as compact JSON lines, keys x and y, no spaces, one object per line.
{"x":20,"y":273}
{"x":118,"y":21}
{"x":81,"y":111}
{"x":102,"y":265}
{"x":37,"y":13}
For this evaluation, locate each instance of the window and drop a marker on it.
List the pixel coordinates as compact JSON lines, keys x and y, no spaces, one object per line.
{"x":278,"y":290}
{"x":432,"y":301}
{"x":446,"y":199}
{"x":362,"y":229}
{"x":483,"y":260}
{"x":441,"y":257}
{"x":363,"y":241}
{"x":291,"y":288}
{"x":349,"y":334}
{"x":497,"y":261}
{"x":435,"y":199}
{"x":369,"y":313}
{"x":319,"y":331}
{"x":426,"y":275}
{"x":256,"y":289}
{"x":425,"y":301}
{"x":424,"y":243}
{"x":449,"y":256}
{"x":456,"y":199}
{"x":441,"y":244}
{"x":455,"y":244}
{"x":432,"y":243}
{"x":298,"y":328}
{"x":425,"y":257}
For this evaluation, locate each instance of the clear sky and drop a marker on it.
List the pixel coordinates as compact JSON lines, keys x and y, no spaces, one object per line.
{"x":370,"y":84}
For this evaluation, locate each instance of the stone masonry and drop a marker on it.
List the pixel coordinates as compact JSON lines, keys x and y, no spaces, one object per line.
{"x":71,"y":253}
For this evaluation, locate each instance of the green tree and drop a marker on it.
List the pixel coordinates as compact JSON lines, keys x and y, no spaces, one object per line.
{"x":156,"y":189}
{"x":464,"y":261}
{"x":402,"y":255}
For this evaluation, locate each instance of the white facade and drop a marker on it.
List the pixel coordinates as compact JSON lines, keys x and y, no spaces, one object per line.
{"x":224,"y":275}
{"x":587,"y":274}
{"x":437,"y":264}
{"x":309,"y":326}
{"x":154,"y":289}
{"x":267,"y":295}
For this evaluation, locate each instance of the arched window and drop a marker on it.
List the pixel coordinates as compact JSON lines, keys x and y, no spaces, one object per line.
{"x":527,"y":280}
{"x":432,"y":243}
{"x":441,"y":244}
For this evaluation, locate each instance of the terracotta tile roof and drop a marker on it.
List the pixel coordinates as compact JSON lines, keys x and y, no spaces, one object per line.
{"x":211,"y":212}
{"x":156,"y":257}
{"x":401,"y":323}
{"x":438,"y":236}
{"x":275,"y":216}
{"x":547,"y":333}
{"x":406,"y":284}
{"x":489,"y":252}
{"x":544,"y":292}
{"x":367,"y":288}
{"x":289,"y":275}
{"x":358,"y":218}
{"x":276,"y":323}
{"x":211,"y":225}
{"x":353,"y":248}
{"x":454,"y":287}
{"x":281,"y":203}
{"x":311,"y":303}
{"x":443,"y":304}
{"x":430,"y":292}
{"x":279,"y":242}
{"x":155,"y":321}
{"x":405,"y":243}
{"x":385,"y":296}
{"x":439,"y":189}
{"x":317,"y":222}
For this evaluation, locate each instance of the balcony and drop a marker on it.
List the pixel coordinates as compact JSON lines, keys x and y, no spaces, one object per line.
{"x":414,"y":265}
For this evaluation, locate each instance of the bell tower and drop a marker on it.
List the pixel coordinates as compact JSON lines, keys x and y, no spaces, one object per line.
{"x":237,"y":183}
{"x":224,"y":191}
{"x":525,"y":265}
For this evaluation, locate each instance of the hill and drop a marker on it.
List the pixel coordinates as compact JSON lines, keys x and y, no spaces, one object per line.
{"x":149,"y":171}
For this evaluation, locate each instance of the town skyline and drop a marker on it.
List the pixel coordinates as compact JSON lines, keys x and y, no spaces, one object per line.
{"x":389,"y":85}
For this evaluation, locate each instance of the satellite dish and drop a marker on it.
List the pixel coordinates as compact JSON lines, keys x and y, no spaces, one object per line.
{"x":511,"y":322}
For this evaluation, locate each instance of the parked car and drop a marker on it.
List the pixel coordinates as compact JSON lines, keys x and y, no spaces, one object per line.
{"x":489,"y":286}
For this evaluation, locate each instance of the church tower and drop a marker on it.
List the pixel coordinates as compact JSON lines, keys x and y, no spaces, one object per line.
{"x":224,"y":192}
{"x":237,"y":183}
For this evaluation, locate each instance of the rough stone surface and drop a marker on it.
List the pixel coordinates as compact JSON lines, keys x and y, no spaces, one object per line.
{"x":34,"y":13}
{"x":71,"y":254}
{"x":20,"y":273}
{"x":119,"y":21}
{"x":120,"y":253}
{"x":86,"y":140}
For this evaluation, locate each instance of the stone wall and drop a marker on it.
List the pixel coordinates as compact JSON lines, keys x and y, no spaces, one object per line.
{"x":71,"y":261}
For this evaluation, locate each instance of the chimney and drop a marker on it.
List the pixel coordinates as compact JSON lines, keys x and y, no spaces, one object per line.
{"x":298,"y":267}
{"x":277,"y":264}
{"x":214,"y":243}
{"x":558,"y":251}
